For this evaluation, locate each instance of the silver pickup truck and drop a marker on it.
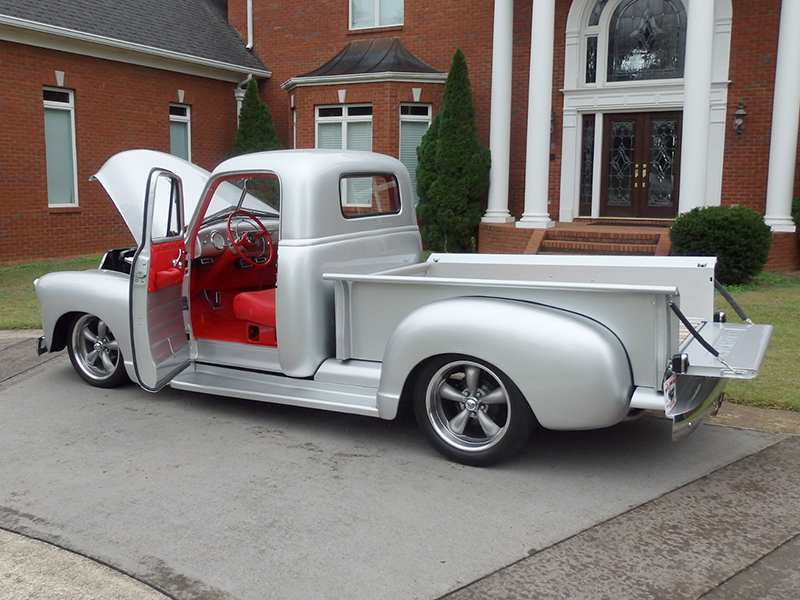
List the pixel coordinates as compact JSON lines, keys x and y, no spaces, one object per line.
{"x":298,"y":279}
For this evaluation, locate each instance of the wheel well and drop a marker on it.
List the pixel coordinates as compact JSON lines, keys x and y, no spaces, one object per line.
{"x":61,"y":331}
{"x":408,"y":386}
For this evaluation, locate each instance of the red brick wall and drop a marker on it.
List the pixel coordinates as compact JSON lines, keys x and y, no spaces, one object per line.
{"x":503,"y":238}
{"x":754,"y":47}
{"x":784,"y":255}
{"x":117,"y":107}
{"x":296,"y":37}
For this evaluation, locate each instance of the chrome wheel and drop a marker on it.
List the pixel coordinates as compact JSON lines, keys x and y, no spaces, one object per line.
{"x":95,"y":353}
{"x":470,"y":411}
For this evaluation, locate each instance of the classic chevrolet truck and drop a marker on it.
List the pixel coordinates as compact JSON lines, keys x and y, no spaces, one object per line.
{"x":299,"y":279}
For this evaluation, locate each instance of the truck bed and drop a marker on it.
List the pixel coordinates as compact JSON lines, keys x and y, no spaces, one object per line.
{"x":628,"y":295}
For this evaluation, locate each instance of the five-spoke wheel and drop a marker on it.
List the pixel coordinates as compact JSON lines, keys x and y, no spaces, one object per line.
{"x":95,"y":353}
{"x":470,"y":411}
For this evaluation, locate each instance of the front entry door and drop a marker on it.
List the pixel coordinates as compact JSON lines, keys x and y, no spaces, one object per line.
{"x":640,"y":165}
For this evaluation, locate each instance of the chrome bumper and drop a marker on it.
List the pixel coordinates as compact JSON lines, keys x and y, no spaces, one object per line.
{"x":697,"y":398}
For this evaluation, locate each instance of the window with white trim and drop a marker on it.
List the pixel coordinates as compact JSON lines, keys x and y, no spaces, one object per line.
{"x":180,"y":131}
{"x":345,"y":127}
{"x":414,"y":122}
{"x":636,"y":40}
{"x":59,"y":136}
{"x":375,"y":13}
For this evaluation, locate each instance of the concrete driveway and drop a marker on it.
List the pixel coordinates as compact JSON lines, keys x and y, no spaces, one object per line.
{"x":205,"y":497}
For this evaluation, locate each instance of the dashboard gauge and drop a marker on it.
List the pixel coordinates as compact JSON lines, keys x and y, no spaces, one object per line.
{"x":217,"y":240}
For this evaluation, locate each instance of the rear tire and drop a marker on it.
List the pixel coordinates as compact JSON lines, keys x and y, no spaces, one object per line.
{"x":470,"y":411}
{"x":94,"y":352}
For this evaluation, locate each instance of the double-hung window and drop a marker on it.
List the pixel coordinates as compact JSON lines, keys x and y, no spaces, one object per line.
{"x":345,"y":127}
{"x":414,"y":122}
{"x":59,"y":135}
{"x":375,"y":13}
{"x":180,"y":132}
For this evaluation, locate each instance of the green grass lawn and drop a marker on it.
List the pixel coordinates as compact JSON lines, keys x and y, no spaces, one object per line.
{"x":770,"y":299}
{"x":18,"y":306}
{"x":775,"y":300}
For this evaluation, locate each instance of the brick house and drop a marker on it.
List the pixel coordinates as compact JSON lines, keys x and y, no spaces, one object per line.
{"x":83,"y":80}
{"x":637,"y":110}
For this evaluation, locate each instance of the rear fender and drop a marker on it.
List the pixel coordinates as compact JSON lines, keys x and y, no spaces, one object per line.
{"x":573,"y":371}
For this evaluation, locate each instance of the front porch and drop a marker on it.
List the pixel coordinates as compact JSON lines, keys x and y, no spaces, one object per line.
{"x":582,"y":236}
{"x":631,"y":237}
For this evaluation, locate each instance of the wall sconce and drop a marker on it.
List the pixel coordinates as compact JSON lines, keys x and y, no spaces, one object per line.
{"x":738,"y":117}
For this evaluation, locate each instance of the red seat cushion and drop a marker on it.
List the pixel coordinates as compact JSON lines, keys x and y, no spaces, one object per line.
{"x":256,"y":307}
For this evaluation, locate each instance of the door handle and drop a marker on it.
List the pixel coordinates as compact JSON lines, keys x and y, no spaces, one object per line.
{"x":178,"y":262}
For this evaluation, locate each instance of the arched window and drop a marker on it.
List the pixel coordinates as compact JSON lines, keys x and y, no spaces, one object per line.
{"x":639,"y":40}
{"x":647,"y":40}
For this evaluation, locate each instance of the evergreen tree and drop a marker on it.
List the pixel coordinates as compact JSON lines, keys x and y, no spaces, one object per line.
{"x":453,"y":168}
{"x":256,"y":132}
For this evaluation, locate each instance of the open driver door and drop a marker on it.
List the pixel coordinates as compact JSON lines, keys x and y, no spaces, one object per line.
{"x":158,"y":333}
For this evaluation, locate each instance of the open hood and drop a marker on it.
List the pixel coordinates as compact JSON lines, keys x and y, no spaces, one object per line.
{"x":124,"y":176}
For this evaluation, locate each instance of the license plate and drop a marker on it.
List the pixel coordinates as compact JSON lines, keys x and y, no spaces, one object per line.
{"x":669,"y":393}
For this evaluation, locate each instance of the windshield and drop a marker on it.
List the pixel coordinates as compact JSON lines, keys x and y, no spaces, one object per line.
{"x":258,"y":194}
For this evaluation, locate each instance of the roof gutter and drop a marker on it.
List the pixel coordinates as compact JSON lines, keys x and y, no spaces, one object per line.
{"x":63,"y":32}
{"x":393,"y":76}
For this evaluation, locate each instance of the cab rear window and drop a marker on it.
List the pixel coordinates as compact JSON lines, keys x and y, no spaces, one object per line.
{"x":369,"y":195}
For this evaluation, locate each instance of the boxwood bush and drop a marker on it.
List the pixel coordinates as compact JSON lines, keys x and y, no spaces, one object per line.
{"x":796,"y":211}
{"x":736,"y":235}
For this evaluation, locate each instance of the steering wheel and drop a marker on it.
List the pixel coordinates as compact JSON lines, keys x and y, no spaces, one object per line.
{"x":251,"y":239}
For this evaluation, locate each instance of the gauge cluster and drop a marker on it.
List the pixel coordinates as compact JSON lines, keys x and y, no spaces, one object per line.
{"x":213,"y":239}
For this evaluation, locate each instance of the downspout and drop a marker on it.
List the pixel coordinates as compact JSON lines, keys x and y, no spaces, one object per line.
{"x":249,"y":25}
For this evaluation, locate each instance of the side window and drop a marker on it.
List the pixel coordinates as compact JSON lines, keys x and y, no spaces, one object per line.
{"x":345,"y":127}
{"x":375,"y":13}
{"x":180,"y":123}
{"x":414,"y":122}
{"x":59,"y":135}
{"x":166,"y":198}
{"x":369,"y":195}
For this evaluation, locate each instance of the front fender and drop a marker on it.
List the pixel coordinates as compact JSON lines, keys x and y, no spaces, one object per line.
{"x":96,"y":291}
{"x":573,"y":371}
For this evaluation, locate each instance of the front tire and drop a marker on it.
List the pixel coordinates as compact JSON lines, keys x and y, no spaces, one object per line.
{"x":95,"y":353}
{"x":470,"y":411}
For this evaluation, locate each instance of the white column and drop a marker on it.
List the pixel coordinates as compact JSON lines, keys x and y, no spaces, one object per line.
{"x":697,"y":104}
{"x":540,"y":81}
{"x":785,"y":121}
{"x":500,"y":124}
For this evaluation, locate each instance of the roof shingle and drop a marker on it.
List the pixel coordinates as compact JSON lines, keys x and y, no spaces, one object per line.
{"x":197,"y":28}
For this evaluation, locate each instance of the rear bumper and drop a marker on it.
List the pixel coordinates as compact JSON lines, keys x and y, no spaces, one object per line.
{"x":697,"y":398}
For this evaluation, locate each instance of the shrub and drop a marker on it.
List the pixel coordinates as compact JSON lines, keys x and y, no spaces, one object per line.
{"x":453,"y":168}
{"x":736,"y":235}
{"x":796,"y":211}
{"x":256,"y":132}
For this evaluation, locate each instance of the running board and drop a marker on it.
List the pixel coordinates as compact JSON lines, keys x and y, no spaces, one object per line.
{"x":280,"y":389}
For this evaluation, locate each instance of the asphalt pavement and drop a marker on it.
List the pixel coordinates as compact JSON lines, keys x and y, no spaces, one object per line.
{"x":236,"y":500}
